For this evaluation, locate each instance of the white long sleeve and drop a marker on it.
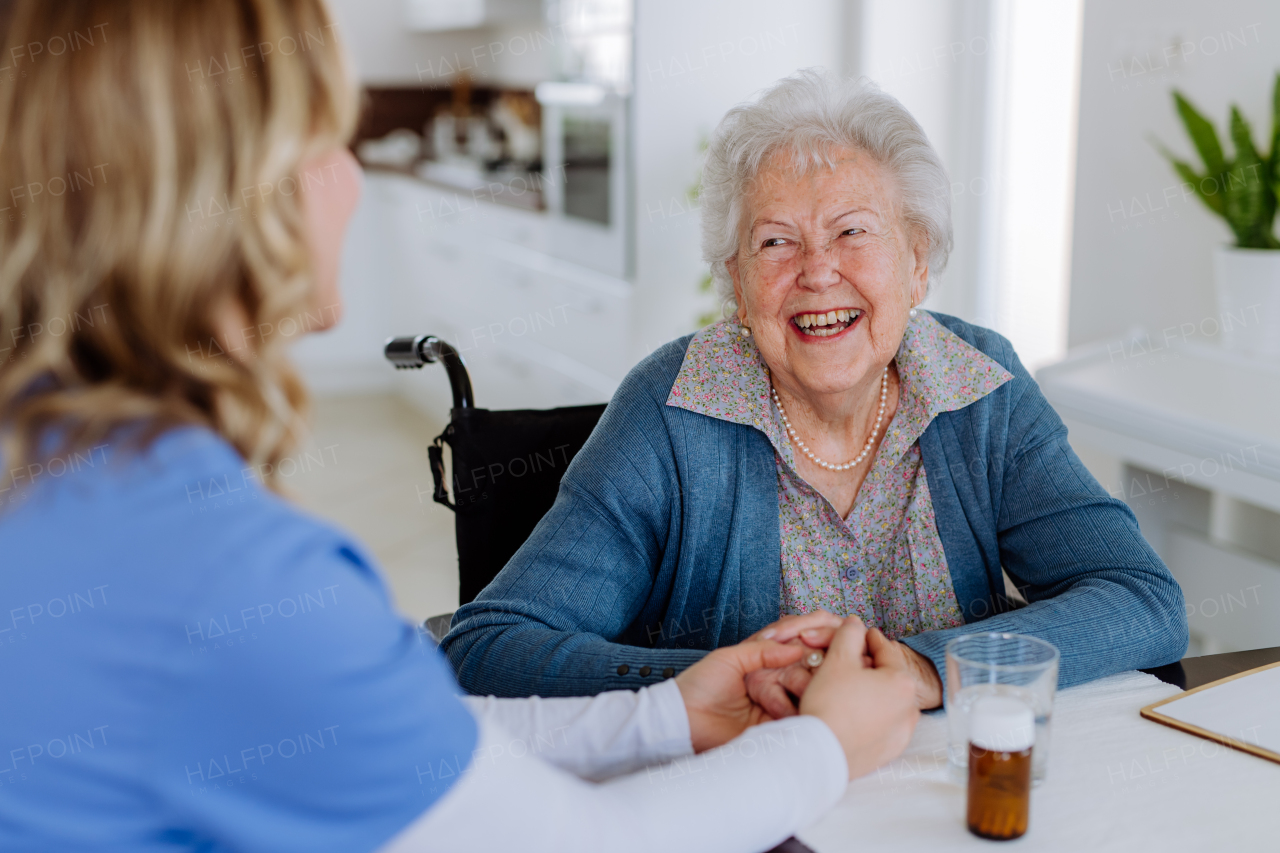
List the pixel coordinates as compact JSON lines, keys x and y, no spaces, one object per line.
{"x":746,"y":796}
{"x":595,"y":737}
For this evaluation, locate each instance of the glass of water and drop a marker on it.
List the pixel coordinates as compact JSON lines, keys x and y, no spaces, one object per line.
{"x":1012,"y":665}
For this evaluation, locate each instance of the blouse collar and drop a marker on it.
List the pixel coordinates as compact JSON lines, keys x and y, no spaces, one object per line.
{"x":723,"y":376}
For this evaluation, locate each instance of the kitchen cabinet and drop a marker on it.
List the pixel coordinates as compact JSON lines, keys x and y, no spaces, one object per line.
{"x":434,"y":16}
{"x":534,"y":330}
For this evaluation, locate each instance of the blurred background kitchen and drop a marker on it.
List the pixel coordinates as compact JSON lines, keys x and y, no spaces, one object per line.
{"x":531,"y":197}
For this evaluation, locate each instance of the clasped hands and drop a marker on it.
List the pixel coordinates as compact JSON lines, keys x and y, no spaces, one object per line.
{"x":869,"y":690}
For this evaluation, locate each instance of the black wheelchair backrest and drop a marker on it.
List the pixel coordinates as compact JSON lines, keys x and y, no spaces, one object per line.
{"x":507,"y":464}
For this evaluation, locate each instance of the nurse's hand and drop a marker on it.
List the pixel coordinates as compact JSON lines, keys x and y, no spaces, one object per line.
{"x":772,"y":689}
{"x":870,"y":709}
{"x":715,"y":691}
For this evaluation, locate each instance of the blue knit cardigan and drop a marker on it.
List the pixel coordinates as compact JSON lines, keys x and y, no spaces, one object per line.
{"x":663,"y":543}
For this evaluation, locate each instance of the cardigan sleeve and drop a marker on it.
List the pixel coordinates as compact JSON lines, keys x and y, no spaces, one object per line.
{"x":1096,"y":589}
{"x":548,"y":623}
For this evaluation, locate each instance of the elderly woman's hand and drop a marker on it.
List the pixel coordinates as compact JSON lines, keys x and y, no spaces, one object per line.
{"x":715,"y":689}
{"x":772,"y":688}
{"x":895,"y":655}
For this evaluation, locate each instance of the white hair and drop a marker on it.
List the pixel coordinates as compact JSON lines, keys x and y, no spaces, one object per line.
{"x":810,"y":114}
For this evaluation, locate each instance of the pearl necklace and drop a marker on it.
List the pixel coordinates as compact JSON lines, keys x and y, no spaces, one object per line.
{"x":884,"y":391}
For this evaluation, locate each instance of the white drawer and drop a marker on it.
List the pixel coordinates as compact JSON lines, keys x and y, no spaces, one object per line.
{"x":574,"y":311}
{"x":521,"y":377}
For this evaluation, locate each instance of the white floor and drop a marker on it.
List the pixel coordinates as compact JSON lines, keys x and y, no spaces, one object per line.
{"x":366,"y":470}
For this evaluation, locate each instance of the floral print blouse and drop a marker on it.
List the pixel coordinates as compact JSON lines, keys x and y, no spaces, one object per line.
{"x":884,"y":562}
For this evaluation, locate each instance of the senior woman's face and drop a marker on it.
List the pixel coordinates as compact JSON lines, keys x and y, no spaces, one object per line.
{"x":813,"y":244}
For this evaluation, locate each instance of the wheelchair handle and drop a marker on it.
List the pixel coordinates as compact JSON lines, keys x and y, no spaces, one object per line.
{"x":412,"y":353}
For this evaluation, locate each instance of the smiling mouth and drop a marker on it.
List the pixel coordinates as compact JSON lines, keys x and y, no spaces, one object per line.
{"x":826,"y":324}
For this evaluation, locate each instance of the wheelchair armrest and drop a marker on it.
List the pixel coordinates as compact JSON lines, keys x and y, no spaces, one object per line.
{"x":437,"y":626}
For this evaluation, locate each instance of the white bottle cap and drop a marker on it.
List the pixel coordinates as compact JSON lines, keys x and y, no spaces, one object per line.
{"x":1001,"y":724}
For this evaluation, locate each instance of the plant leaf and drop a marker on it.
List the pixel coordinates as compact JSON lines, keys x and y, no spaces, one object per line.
{"x":1212,"y":200}
{"x":1251,"y":206}
{"x":1274,"y":156}
{"x":1203,"y":136}
{"x":1242,"y":138}
{"x":1243,"y":205}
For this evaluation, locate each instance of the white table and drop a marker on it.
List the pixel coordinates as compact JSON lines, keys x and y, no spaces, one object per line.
{"x":1115,"y":782}
{"x":1208,"y":416}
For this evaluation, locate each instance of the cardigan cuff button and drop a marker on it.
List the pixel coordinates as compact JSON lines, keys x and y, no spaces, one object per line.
{"x":668,"y":672}
{"x":624,"y":669}
{"x":644,"y":671}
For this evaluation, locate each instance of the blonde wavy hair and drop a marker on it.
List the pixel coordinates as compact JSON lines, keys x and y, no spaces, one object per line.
{"x":130,"y":131}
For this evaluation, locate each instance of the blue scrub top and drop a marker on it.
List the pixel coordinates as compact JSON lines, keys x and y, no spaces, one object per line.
{"x":189,"y":662}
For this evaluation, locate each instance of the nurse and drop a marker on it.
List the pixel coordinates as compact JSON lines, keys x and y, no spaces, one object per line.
{"x":191,"y":662}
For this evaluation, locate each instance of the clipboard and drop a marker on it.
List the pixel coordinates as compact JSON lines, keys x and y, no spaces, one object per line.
{"x":1152,"y":712}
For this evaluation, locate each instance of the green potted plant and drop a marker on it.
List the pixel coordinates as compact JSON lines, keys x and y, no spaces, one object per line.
{"x":1243,"y":192}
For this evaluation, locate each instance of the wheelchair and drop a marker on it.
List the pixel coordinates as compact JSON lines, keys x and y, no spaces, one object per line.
{"x":507,"y":466}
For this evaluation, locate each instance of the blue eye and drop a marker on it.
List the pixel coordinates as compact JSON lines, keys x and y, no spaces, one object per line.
{"x":855,"y":231}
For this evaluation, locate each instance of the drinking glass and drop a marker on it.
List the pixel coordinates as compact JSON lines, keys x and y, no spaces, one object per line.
{"x":1014,"y":665}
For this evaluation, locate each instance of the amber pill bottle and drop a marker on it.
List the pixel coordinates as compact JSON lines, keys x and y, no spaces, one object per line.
{"x":1001,"y":735}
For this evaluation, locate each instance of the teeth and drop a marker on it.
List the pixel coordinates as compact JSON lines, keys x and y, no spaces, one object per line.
{"x":814,"y":324}
{"x":842,"y":315}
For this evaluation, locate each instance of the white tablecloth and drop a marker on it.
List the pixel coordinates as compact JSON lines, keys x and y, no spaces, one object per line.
{"x":1115,"y":782}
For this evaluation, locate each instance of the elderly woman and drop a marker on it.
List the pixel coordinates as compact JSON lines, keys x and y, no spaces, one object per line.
{"x":831,"y":447}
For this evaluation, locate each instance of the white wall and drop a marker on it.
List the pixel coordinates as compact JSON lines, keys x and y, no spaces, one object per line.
{"x":993,"y":83}
{"x":386,"y":53}
{"x":935,"y":56}
{"x":348,"y":358}
{"x":693,"y":62}
{"x":1142,"y":252}
{"x":1037,"y":153}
